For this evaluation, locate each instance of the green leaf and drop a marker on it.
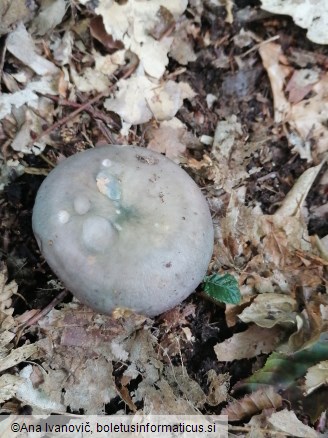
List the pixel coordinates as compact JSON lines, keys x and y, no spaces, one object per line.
{"x":282,"y":370}
{"x":222,"y":288}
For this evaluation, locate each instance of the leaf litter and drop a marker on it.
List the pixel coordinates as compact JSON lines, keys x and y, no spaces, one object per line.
{"x":150,"y":75}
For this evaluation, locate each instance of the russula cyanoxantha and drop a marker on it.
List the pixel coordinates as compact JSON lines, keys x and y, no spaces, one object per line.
{"x":123,"y":226}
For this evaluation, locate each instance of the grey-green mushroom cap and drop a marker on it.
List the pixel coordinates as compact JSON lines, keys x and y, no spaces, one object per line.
{"x":123,"y":226}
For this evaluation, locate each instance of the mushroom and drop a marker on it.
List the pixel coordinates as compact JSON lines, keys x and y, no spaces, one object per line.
{"x":123,"y":226}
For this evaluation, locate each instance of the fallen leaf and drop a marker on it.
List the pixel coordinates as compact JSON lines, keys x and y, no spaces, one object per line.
{"x":310,"y":15}
{"x":269,"y":309}
{"x":271,"y":55}
{"x":316,"y":376}
{"x":165,"y":100}
{"x":21,"y":45}
{"x":306,"y":117}
{"x":182,"y":48}
{"x":91,"y":79}
{"x":130,"y":102}
{"x":11,"y":12}
{"x":294,"y":200}
{"x":231,"y":153}
{"x":169,"y":138}
{"x":19,"y":355}
{"x":309,"y":116}
{"x":118,"y":19}
{"x":90,"y":390}
{"x":26,"y":96}
{"x":138,"y":99}
{"x":300,"y":84}
{"x":7,"y":290}
{"x":226,"y":134}
{"x":218,"y":387}
{"x":181,"y":382}
{"x":283,"y":370}
{"x":287,"y":422}
{"x":164,"y":23}
{"x":31,"y":124}
{"x":177,"y":316}
{"x":98,"y":32}
{"x":248,"y":344}
{"x":252,"y":404}
{"x":160,"y":391}
{"x":42,"y":401}
{"x":310,"y":326}
{"x":163,"y":400}
{"x":50,"y":15}
{"x":8,"y":386}
{"x":62,"y":48}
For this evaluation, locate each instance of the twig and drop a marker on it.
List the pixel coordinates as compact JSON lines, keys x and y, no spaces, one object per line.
{"x":257,"y":46}
{"x":71,"y":116}
{"x":41,"y":314}
{"x":95,"y":113}
{"x":36,"y":171}
{"x":46,"y":159}
{"x":84,"y":106}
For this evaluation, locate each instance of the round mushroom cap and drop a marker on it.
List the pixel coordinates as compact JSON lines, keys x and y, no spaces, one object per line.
{"x":123,"y":226}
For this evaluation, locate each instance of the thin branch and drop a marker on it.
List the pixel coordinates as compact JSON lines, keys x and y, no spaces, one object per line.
{"x":85,"y":106}
{"x":58,"y":299}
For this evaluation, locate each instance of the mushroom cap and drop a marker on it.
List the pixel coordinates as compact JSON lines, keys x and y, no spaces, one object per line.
{"x":123,"y":226}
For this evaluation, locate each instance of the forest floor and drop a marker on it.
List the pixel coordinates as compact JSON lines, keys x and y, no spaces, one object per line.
{"x":237,"y":96}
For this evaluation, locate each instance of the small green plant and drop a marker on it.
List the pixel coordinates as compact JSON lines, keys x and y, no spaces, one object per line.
{"x":222,"y":288}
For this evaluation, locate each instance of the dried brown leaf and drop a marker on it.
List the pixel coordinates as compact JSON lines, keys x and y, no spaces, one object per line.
{"x":182,"y":383}
{"x":250,"y":343}
{"x":218,"y":387}
{"x":130,"y":102}
{"x":162,"y":400}
{"x":8,"y":386}
{"x":253,"y":404}
{"x":316,"y":376}
{"x":294,"y":200}
{"x":312,"y":16}
{"x":271,"y":55}
{"x":175,"y":392}
{"x":286,"y":261}
{"x":177,"y":316}
{"x":310,"y":325}
{"x":286,"y":421}
{"x":98,"y":32}
{"x":168,"y":138}
{"x":269,"y":309}
{"x":21,"y":45}
{"x":11,"y":12}
{"x":69,"y":380}
{"x":19,"y":355}
{"x":80,"y":327}
{"x":50,"y":15}
{"x":7,"y":290}
{"x":309,"y":116}
{"x":165,"y":22}
{"x":166,"y":99}
{"x":182,"y":46}
{"x":300,"y":84}
{"x":306,"y":117}
{"x":88,"y":390}
{"x":132,"y":23}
